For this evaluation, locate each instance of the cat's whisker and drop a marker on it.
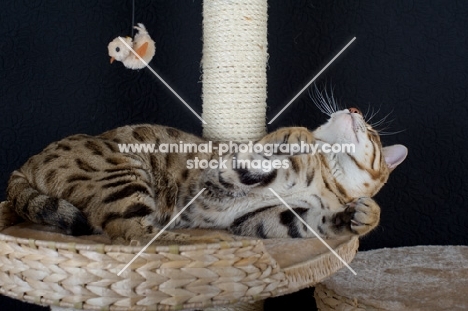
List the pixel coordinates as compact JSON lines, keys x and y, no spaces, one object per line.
{"x":390,"y":133}
{"x":373,"y":114}
{"x":327,"y":105}
{"x":381,"y":125}
{"x":335,"y":102}
{"x":319,"y":106}
{"x":370,"y":112}
{"x":383,"y":120}
{"x":387,"y":122}
{"x":330,"y":101}
{"x":367,"y":112}
{"x":382,"y":129}
{"x":321,"y":102}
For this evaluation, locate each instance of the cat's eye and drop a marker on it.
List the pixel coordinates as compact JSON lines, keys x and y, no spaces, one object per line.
{"x":117,"y":49}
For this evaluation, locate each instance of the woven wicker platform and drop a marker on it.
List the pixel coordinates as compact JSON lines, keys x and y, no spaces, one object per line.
{"x":49,"y":268}
{"x":407,"y":278}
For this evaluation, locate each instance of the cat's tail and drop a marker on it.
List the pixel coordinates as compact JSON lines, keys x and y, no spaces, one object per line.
{"x":40,"y":208}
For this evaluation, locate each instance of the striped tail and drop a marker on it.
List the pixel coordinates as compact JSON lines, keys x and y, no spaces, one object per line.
{"x":40,"y":208}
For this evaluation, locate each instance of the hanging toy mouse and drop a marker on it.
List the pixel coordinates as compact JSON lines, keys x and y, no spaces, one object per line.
{"x":142,"y":44}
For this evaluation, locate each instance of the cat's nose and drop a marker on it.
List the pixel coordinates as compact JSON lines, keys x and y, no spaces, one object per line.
{"x":354,"y":110}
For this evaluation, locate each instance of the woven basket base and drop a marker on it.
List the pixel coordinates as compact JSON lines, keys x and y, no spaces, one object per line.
{"x":53,"y":269}
{"x":243,"y":306}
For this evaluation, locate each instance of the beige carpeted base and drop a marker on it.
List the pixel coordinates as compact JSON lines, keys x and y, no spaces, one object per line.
{"x":407,"y":278}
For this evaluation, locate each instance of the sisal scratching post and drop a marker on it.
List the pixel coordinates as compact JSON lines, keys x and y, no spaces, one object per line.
{"x":234,"y":69}
{"x":234,"y":76}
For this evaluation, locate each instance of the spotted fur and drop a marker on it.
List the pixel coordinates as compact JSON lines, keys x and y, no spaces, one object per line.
{"x":84,"y":184}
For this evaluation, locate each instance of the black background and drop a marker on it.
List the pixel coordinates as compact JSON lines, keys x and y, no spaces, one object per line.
{"x":410,"y":58}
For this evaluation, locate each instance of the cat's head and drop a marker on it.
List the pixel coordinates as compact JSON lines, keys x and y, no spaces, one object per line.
{"x":364,"y":167}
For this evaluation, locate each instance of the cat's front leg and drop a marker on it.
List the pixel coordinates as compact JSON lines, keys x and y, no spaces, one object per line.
{"x":297,"y":136}
{"x":358,"y":218}
{"x":288,"y":135}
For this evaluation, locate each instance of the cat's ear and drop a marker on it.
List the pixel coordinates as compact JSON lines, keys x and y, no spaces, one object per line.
{"x":394,"y":155}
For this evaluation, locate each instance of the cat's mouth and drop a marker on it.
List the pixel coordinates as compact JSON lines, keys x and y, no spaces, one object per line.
{"x":343,"y":126}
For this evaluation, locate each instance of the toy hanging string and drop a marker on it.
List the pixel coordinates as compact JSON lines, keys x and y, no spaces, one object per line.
{"x":133,"y":16}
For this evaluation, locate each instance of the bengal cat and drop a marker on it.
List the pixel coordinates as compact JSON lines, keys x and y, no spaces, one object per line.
{"x":84,"y":184}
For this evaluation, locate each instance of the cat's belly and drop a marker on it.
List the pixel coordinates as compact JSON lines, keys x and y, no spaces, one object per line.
{"x":221,"y":215}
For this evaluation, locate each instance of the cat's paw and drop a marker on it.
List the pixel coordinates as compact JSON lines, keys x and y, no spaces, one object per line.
{"x":359,"y":217}
{"x":298,"y":135}
{"x":294,"y":137}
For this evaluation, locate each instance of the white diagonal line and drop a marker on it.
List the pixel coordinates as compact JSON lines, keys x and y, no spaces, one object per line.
{"x":160,"y":232}
{"x":161,"y":79}
{"x":315,"y":233}
{"x":313,"y":79}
